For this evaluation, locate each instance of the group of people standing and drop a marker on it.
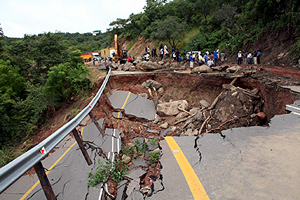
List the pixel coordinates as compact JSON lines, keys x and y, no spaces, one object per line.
{"x":210,"y":60}
{"x":248,"y":58}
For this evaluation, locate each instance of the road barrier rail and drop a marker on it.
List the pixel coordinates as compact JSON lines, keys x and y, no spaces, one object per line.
{"x":19,"y":166}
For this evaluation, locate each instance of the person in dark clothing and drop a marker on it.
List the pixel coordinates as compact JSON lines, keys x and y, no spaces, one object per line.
{"x":161,"y":55}
{"x":161,"y":46}
{"x":177,"y":54}
{"x":258,"y":57}
{"x":154,"y":52}
{"x":184,"y":55}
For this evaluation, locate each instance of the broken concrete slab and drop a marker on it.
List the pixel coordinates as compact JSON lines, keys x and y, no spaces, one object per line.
{"x":152,"y":145}
{"x":138,"y":140}
{"x":135,"y":174}
{"x":121,"y":189}
{"x":294,"y":108}
{"x":135,"y":195}
{"x":139,"y":162}
{"x":133,"y":104}
{"x":92,"y":133}
{"x":112,"y":141}
{"x":293,"y":88}
{"x":117,"y":115}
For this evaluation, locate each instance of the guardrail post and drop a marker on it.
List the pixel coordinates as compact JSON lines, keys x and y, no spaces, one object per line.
{"x":81,"y":146}
{"x":97,"y":124}
{"x":103,"y":109}
{"x":39,"y":169}
{"x":109,"y":86}
{"x":107,"y":99}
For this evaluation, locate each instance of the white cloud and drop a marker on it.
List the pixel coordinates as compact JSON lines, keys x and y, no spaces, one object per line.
{"x":19,"y":17}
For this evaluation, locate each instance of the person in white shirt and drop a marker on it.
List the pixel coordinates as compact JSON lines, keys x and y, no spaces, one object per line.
{"x":239,"y":58}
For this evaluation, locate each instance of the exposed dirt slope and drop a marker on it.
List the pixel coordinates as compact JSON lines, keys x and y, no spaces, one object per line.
{"x":276,"y":48}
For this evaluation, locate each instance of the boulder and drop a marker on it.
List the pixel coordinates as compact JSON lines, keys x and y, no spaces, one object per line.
{"x":174,"y":65}
{"x":204,"y":103}
{"x":171,"y":108}
{"x":161,"y":91}
{"x":127,"y":66}
{"x":139,"y":58}
{"x":198,"y":116}
{"x":132,"y":68}
{"x":181,"y":115}
{"x":148,"y":66}
{"x":202,"y":69}
{"x":233,"y":69}
{"x":152,"y":84}
{"x":114,"y":66}
{"x":189,"y":132}
{"x":225,"y":113}
{"x":194,"y":110}
{"x":126,"y":159}
{"x":182,"y":67}
{"x":161,"y":62}
{"x":144,"y":95}
{"x":121,"y":67}
{"x":164,"y":125}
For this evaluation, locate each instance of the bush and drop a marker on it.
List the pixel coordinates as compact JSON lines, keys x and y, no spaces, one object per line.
{"x":65,"y":80}
{"x":114,"y":170}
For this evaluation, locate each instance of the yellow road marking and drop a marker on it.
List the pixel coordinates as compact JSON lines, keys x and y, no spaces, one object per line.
{"x":124,"y":103}
{"x":47,"y":172}
{"x":187,"y":170}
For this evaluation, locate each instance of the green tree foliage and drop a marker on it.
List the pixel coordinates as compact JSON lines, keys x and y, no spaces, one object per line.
{"x":12,"y":85}
{"x":30,"y":111}
{"x":67,"y":79}
{"x":170,"y":30}
{"x":47,"y":52}
{"x":11,"y":82}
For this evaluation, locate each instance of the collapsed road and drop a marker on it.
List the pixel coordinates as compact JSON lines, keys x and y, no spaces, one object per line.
{"x":230,"y":128}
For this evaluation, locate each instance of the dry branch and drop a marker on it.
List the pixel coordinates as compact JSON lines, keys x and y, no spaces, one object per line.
{"x":182,"y":120}
{"x":215,"y":101}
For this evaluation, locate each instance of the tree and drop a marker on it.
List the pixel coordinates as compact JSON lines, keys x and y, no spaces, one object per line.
{"x":47,"y":51}
{"x":12,"y":84}
{"x":170,"y":30}
{"x":67,"y":79}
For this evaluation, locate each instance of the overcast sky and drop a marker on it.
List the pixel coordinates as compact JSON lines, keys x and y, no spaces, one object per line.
{"x":19,"y":17}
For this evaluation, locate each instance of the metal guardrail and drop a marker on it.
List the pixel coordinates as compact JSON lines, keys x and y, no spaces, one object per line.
{"x":16,"y":168}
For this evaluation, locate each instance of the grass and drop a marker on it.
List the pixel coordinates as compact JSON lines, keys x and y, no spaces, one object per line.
{"x":9,"y":153}
{"x":154,"y":157}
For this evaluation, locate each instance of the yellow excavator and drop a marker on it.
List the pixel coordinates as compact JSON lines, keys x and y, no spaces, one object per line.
{"x":121,"y":55}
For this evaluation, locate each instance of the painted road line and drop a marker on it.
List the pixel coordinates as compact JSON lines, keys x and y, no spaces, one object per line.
{"x":124,"y":103}
{"x":187,"y":170}
{"x":48,"y":171}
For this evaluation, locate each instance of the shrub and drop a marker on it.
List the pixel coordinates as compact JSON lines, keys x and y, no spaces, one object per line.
{"x":115,"y":171}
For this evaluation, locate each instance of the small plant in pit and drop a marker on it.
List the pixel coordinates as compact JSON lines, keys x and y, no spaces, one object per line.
{"x":138,"y":147}
{"x":74,"y":112}
{"x":128,"y":150}
{"x":154,"y":157}
{"x":145,"y":146}
{"x":115,"y":170}
{"x":153,"y":141}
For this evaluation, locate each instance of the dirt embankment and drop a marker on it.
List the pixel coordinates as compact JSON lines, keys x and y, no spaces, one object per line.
{"x":276,"y":48}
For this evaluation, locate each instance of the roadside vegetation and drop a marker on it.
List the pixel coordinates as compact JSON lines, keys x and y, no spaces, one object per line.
{"x":40,"y":72}
{"x":37,"y":74}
